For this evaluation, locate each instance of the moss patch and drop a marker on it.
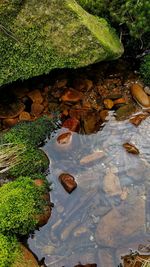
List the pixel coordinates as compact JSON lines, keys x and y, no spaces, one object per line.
{"x":19,"y":203}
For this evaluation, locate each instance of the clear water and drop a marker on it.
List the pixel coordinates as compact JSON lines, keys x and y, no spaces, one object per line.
{"x":98,"y":223}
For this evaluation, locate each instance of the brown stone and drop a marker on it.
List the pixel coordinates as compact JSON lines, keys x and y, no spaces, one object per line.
{"x":64,"y":140}
{"x":92,"y":157}
{"x":91,"y":122}
{"x":139,"y":95}
{"x":103,"y":115}
{"x":111,"y":184}
{"x":26,"y":259}
{"x":71,"y":95}
{"x":122,"y":222}
{"x":11,"y":109}
{"x":119,"y":101}
{"x":68,"y":182}
{"x":72,"y":124}
{"x":86,"y":265}
{"x":43,"y":218}
{"x":39,"y":182}
{"x":36,"y":109}
{"x":79,"y":113}
{"x":136,"y":120}
{"x":10,"y":122}
{"x":125,"y":112}
{"x":61,"y":83}
{"x":24,"y":116}
{"x":36,"y":96}
{"x":108,"y":103}
{"x":130,"y":148}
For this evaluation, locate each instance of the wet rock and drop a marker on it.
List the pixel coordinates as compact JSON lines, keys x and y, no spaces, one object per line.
{"x":71,"y":95}
{"x":82,"y":84}
{"x":139,"y":95}
{"x":10,"y":122}
{"x":43,"y":218}
{"x":61,"y":83}
{"x":72,"y":124}
{"x":91,"y":122}
{"x":36,"y":96}
{"x":103,"y":115}
{"x":111,"y":184}
{"x":108,"y":103}
{"x":10,"y":108}
{"x":147,"y":90}
{"x":130,"y":148}
{"x":26,"y":259}
{"x":68,"y":182}
{"x":36,"y":109}
{"x":136,"y":120}
{"x":79,"y":113}
{"x":125,"y":111}
{"x":24,"y":116}
{"x":64,"y":141}
{"x":80,"y":231}
{"x":92,"y":157}
{"x":127,"y":221}
{"x":119,"y":101}
{"x":106,"y":258}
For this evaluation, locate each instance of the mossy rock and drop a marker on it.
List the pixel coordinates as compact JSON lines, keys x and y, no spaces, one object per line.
{"x":145,"y":69}
{"x":25,"y":258}
{"x":38,"y":36}
{"x":20,"y":203}
{"x":9,"y":250}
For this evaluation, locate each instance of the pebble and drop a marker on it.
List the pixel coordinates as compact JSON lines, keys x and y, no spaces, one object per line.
{"x":140,"y":96}
{"x":108,"y":103}
{"x":130,"y":148}
{"x":92,"y":157}
{"x":68,"y":182}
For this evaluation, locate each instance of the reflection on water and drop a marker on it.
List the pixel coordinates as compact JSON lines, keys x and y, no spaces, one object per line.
{"x":109,"y":212}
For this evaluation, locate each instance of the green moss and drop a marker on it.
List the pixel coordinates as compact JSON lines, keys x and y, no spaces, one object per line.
{"x":145,"y":69}
{"x":9,"y":249}
{"x":135,"y":14}
{"x":19,"y":203}
{"x":44,"y":35}
{"x":30,"y":133}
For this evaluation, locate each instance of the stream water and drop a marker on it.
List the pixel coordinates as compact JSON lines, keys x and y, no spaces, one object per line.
{"x":109,"y":211}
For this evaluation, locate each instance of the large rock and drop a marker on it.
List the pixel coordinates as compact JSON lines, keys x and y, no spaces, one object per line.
{"x":38,"y":36}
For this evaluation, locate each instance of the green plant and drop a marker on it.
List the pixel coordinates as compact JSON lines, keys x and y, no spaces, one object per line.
{"x":20,"y":202}
{"x":9,"y":249}
{"x":145,"y":69}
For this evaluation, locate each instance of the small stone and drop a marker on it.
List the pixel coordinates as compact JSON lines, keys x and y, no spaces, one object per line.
{"x":92,"y":157}
{"x":71,"y":95}
{"x":80,"y":230}
{"x":111,"y":184}
{"x":24,"y":116}
{"x":140,"y":96}
{"x":39,"y":182}
{"x":125,"y":112}
{"x":72,"y":124}
{"x":61,"y":83}
{"x":108,"y":103}
{"x":36,"y":109}
{"x":43,"y":218}
{"x":9,"y":122}
{"x":36,"y":96}
{"x":131,"y":148}
{"x":119,"y":101}
{"x":68,"y":182}
{"x":103,"y":115}
{"x":136,"y":120}
{"x":64,"y":140}
{"x":86,"y":265}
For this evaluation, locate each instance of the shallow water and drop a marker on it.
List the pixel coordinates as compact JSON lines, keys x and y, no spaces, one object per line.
{"x":109,"y":211}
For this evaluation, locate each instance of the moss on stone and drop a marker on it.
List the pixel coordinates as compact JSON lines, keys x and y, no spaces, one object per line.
{"x":9,"y":250}
{"x":38,"y":36}
{"x":20,"y":202}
